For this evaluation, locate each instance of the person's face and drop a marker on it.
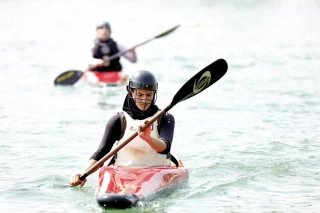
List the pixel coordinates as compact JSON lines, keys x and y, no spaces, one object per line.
{"x":143,"y":98}
{"x":103,"y":33}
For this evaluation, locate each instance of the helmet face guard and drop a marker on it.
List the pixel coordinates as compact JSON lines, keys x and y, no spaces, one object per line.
{"x":143,"y":80}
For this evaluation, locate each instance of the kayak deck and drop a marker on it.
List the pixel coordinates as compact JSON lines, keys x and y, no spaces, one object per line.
{"x":102,"y":79}
{"x":123,"y":187}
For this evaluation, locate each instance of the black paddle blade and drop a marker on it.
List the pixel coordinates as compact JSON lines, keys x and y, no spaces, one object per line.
{"x":168,"y":31}
{"x":68,"y":78}
{"x":201,"y":81}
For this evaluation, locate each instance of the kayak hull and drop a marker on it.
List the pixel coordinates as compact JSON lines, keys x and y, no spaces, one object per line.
{"x":102,"y":79}
{"x":123,"y":187}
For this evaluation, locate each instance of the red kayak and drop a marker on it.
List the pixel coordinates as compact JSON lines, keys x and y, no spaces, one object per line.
{"x":123,"y":187}
{"x":112,"y":78}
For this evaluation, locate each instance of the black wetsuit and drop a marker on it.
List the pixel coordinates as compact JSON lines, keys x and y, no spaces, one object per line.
{"x":106,"y":48}
{"x":113,"y":128}
{"x":113,"y":131}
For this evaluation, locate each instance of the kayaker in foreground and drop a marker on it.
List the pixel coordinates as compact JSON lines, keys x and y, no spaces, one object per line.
{"x":151,"y":148}
{"x":104,"y":47}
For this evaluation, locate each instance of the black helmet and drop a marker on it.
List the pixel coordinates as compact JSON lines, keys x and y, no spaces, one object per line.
{"x":142,"y":79}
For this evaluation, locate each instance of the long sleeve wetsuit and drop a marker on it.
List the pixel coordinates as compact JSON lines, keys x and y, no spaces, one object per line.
{"x":113,"y":132}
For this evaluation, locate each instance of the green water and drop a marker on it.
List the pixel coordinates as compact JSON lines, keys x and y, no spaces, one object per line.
{"x":250,"y":142}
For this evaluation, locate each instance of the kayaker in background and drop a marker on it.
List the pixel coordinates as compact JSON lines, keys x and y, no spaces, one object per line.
{"x":104,"y":48}
{"x":151,"y":148}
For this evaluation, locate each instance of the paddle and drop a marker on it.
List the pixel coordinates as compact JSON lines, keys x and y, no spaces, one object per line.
{"x":201,"y":81}
{"x":70,"y":77}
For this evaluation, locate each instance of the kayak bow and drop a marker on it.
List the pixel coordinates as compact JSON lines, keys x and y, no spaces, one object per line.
{"x":123,"y":187}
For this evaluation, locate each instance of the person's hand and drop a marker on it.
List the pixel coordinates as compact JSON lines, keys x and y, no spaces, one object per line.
{"x":106,"y":61}
{"x":75,"y":180}
{"x":133,"y":50}
{"x":145,"y":135}
{"x":96,"y":63}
